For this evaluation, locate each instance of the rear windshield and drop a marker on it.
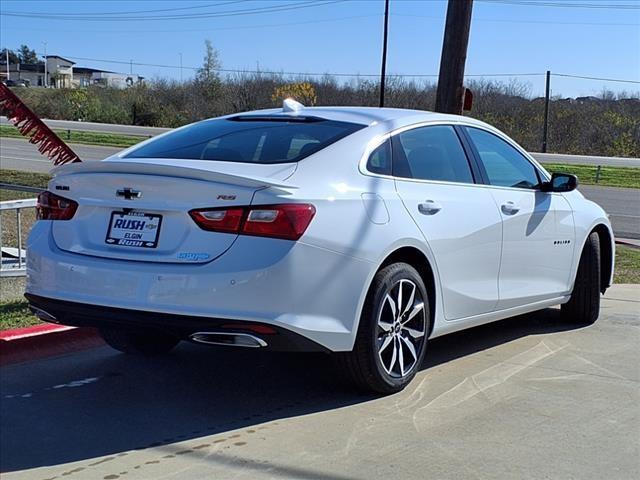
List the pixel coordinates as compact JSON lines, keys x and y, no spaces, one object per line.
{"x":242,"y":139}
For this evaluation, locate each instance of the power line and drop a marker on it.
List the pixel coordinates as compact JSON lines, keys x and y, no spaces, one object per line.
{"x":230,"y":70}
{"x":352,"y":17}
{"x":596,"y":78}
{"x":311,"y":74}
{"x":537,"y":3}
{"x":343,"y":74}
{"x":192,"y":7}
{"x":327,"y":20}
{"x":542,"y":22}
{"x":308,"y":3}
{"x":224,"y":14}
{"x":275,"y":72}
{"x":93,"y":17}
{"x":215,"y":29}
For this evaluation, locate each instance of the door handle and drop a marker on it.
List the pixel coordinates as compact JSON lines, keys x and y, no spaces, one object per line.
{"x":509,"y":208}
{"x":429,"y":207}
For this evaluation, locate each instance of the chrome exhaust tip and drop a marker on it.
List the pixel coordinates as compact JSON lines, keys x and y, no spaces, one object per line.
{"x":228,"y":338}
{"x":43,"y":314}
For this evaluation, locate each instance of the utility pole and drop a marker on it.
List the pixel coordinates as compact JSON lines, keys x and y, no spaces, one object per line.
{"x":130,"y":67}
{"x":7,"y":52}
{"x":46,"y":76}
{"x":383,"y":70}
{"x":545,"y":126}
{"x":450,"y":92}
{"x":180,"y":67}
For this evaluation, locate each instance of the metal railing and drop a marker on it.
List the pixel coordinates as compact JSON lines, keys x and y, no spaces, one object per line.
{"x":20,"y":188}
{"x":13,"y":262}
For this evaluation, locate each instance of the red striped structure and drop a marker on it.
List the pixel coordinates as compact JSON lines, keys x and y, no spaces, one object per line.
{"x":34,"y":129}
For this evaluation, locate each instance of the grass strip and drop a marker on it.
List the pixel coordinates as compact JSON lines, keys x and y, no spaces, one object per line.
{"x":28,"y":179}
{"x":628,"y":177}
{"x":86,"y":138}
{"x":16,"y":314}
{"x":627,"y":265}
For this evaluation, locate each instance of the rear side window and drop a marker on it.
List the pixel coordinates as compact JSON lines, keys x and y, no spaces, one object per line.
{"x":505,"y":166}
{"x":263,"y":140}
{"x":380,"y":159}
{"x":431,"y":153}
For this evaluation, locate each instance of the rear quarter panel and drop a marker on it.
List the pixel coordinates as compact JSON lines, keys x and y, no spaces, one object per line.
{"x":357,"y":216}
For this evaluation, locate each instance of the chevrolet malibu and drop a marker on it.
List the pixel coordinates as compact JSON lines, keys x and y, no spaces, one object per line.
{"x":360,"y":232}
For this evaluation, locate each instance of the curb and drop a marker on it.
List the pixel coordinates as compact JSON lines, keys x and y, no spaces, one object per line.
{"x":628,"y":243}
{"x":41,"y":341}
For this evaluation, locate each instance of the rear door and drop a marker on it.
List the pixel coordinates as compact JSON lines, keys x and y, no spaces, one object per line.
{"x":459,"y":219}
{"x":539,"y":232}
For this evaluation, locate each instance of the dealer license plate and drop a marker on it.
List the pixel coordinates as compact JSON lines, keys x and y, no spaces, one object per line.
{"x":134,"y":229}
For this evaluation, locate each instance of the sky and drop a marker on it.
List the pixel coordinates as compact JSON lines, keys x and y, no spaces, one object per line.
{"x":515,"y":39}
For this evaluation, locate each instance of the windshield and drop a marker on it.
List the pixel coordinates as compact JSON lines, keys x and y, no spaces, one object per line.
{"x":243,"y":139}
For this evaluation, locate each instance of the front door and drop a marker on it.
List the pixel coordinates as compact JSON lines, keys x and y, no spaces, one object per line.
{"x":538,"y":238}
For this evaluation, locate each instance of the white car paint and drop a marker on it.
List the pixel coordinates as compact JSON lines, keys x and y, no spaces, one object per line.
{"x":487,"y":264}
{"x":472,"y":242}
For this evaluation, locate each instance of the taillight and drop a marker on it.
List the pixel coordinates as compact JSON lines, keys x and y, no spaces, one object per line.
{"x":288,"y":221}
{"x":53,"y":207}
{"x":218,"y":220}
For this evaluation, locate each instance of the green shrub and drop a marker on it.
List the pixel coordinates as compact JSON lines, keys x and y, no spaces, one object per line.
{"x":604,"y":126}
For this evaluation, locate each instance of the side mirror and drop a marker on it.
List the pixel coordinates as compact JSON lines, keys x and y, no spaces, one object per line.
{"x":560,"y":182}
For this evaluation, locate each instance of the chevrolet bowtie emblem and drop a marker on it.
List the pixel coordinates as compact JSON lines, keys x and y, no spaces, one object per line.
{"x":128,"y":193}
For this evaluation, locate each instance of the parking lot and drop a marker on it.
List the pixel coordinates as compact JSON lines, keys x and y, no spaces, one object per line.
{"x":529,"y":397}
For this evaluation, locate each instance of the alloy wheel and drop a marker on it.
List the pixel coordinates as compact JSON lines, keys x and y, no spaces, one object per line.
{"x":401,"y":328}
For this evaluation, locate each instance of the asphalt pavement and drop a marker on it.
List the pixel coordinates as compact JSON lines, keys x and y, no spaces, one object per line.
{"x":98,"y":127}
{"x":18,"y":154}
{"x":530,"y":397}
{"x":622,"y":205}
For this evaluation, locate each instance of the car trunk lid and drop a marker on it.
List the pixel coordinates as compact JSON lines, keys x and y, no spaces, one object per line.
{"x":140,"y":210}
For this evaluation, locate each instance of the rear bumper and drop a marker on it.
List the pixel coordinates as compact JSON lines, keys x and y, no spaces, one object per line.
{"x":313,"y":292}
{"x":183,"y":326}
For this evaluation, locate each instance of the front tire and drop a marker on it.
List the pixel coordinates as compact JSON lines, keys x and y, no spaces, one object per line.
{"x":392,"y":336}
{"x":584,"y":306}
{"x":139,"y":342}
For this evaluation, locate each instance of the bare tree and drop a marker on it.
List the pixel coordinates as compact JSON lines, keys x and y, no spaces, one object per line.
{"x":580,"y":126}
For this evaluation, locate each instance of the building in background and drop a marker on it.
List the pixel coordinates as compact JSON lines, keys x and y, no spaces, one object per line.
{"x":62,"y":73}
{"x":85,"y":77}
{"x":59,"y":71}
{"x":23,"y":73}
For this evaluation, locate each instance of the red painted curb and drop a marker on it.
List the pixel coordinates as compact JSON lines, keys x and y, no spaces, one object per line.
{"x":17,"y":333}
{"x":42,"y":341}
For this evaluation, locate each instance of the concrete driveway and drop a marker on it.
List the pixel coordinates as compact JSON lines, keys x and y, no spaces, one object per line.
{"x":528,"y":397}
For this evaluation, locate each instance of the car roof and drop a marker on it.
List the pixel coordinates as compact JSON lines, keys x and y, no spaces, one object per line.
{"x":364,"y":115}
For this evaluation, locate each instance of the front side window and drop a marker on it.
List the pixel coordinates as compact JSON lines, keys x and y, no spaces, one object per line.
{"x":431,"y":153}
{"x":248,"y":140}
{"x":505,"y":166}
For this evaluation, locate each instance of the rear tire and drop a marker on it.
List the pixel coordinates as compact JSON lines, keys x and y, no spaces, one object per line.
{"x":392,"y":336}
{"x":139,"y":342}
{"x":584,"y":306}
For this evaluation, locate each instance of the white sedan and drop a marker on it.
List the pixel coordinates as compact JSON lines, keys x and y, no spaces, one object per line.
{"x":361,"y":232}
